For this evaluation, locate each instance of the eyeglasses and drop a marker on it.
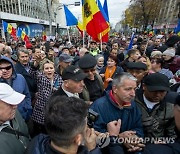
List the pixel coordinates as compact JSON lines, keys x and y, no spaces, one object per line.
{"x":6,"y":68}
{"x":89,"y":70}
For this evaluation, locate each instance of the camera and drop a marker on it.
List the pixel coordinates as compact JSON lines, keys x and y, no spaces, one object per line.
{"x":92,"y":117}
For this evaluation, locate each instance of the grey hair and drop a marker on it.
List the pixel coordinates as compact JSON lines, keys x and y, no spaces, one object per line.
{"x":119,"y":79}
{"x":99,"y":56}
{"x":22,"y":50}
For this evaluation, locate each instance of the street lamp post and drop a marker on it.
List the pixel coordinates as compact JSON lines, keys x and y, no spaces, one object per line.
{"x":50,"y":17}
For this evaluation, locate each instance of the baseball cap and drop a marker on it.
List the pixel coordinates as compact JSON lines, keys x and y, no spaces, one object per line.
{"x":9,"y":95}
{"x":65,"y":58}
{"x":73,"y":73}
{"x":157,"y":82}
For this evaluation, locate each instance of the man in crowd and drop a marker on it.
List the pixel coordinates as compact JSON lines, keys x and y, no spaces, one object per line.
{"x":18,"y":83}
{"x":64,"y":61}
{"x":171,"y":148}
{"x":118,"y":104}
{"x":22,"y":67}
{"x":93,"y":48}
{"x":66,"y":125}
{"x":155,"y":46}
{"x":73,"y":83}
{"x":157,"y":114}
{"x":13,"y":130}
{"x":93,"y":82}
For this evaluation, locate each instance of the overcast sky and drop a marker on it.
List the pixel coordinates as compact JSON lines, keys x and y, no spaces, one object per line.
{"x":115,"y":7}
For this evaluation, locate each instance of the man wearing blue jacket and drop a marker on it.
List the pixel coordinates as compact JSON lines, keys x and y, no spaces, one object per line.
{"x":117,"y":104}
{"x":18,"y":83}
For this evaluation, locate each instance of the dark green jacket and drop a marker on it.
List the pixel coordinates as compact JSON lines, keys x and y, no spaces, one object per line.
{"x":159,"y":122}
{"x":14,"y":144}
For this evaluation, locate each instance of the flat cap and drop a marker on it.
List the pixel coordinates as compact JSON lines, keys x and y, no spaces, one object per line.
{"x":136,"y":65}
{"x":87,"y":62}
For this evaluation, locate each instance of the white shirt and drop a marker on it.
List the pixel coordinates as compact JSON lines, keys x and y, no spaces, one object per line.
{"x":148,"y":103}
{"x":5,"y":124}
{"x":70,"y":94}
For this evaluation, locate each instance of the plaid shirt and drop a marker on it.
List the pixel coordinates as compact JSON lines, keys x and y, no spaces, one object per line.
{"x":45,"y":90}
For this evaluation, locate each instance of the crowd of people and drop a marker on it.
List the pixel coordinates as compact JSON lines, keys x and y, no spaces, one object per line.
{"x":48,"y":88}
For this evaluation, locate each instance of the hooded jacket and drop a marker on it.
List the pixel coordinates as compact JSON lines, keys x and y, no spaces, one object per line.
{"x":41,"y":145}
{"x":18,"y":83}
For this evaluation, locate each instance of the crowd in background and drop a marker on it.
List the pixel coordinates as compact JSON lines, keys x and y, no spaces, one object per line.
{"x":138,"y":85}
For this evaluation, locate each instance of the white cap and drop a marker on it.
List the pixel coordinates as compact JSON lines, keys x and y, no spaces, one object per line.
{"x":154,"y":53}
{"x":9,"y":95}
{"x":169,"y":52}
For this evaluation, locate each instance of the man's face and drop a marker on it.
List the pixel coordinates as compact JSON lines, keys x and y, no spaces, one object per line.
{"x":176,"y":116}
{"x":7,"y":111}
{"x":136,"y":55}
{"x":138,"y":74}
{"x":126,"y":91}
{"x":23,"y":58}
{"x":154,"y":96}
{"x":157,"y":42}
{"x":115,"y":46}
{"x":51,"y":54}
{"x":154,"y":65}
{"x":74,"y":86}
{"x":143,"y":47}
{"x":90,"y":73}
{"x":114,"y":52}
{"x":64,"y":64}
{"x":93,"y":45}
{"x":37,"y":53}
{"x":104,"y":46}
{"x":65,"y":51}
{"x":6,"y":69}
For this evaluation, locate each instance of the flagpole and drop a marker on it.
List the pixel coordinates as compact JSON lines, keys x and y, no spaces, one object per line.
{"x":68,"y":35}
{"x":83,"y":38}
{"x":3,"y":34}
{"x":101,"y":41}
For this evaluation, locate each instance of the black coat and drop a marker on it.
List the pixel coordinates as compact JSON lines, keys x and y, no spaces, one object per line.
{"x":29,"y":79}
{"x":59,"y":92}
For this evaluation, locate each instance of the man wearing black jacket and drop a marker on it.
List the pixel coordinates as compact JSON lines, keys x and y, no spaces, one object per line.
{"x":172,"y":148}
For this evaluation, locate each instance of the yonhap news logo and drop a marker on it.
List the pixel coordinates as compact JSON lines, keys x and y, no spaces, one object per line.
{"x":104,"y":140}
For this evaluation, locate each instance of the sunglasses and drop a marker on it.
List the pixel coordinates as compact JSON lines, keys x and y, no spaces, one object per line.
{"x":89,"y":70}
{"x":6,"y":68}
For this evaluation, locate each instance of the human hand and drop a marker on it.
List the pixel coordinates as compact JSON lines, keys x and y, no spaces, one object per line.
{"x":102,"y":75}
{"x":127,"y":134}
{"x":109,"y":79}
{"x":90,"y":139}
{"x":113,"y":127}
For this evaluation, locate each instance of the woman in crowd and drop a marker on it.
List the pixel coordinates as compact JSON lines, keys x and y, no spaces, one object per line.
{"x":48,"y":82}
{"x":108,"y":72}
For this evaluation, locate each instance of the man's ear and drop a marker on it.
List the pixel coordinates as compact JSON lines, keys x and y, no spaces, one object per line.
{"x":66,"y":82}
{"x":144,"y":86}
{"x":114,"y":89}
{"x":78,"y":139}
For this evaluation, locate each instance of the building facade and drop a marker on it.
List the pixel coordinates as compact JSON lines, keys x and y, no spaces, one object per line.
{"x":34,"y":16}
{"x":168,"y":16}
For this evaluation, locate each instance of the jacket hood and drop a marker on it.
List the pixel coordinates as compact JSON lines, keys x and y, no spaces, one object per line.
{"x":11,"y":62}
